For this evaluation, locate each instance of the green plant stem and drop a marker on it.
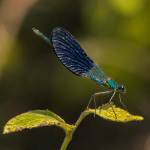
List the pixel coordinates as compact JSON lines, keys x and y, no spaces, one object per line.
{"x":66,"y":141}
{"x":69,"y":134}
{"x":83,"y":114}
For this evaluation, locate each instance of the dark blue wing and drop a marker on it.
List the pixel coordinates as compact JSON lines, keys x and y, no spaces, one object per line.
{"x":73,"y":57}
{"x":70,"y":53}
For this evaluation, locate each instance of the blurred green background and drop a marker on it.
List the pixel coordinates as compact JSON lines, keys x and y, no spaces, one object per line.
{"x":114,"y":33}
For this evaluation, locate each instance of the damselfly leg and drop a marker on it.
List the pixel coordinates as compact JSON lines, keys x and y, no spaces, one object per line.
{"x":122,"y":102}
{"x":111,"y":100}
{"x":93,"y":96}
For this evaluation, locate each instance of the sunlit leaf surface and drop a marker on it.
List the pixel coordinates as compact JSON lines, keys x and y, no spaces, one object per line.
{"x":36,"y":118}
{"x":111,"y":112}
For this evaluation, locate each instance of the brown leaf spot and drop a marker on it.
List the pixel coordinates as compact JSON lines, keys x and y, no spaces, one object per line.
{"x":18,"y":129}
{"x":43,"y":123}
{"x":8,"y":124}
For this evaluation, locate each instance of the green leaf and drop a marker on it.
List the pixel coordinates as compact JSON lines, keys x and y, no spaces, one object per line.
{"x":111,"y":112}
{"x":35,"y":118}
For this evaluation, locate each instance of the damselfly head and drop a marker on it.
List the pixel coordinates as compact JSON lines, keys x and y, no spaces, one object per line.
{"x":121,"y":88}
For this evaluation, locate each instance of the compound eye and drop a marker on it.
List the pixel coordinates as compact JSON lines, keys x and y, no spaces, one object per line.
{"x":123,"y":88}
